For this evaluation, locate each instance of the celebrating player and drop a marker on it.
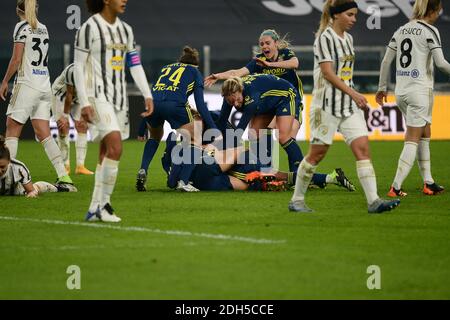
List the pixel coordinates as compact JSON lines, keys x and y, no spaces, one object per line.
{"x":274,"y":58}
{"x":337,"y":106}
{"x":32,"y":94}
{"x":65,"y":104}
{"x":177,"y":81}
{"x":15,"y":178}
{"x":415,"y":53}
{"x":104,"y":45}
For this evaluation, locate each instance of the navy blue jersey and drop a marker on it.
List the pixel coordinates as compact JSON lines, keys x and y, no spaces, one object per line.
{"x":176,"y":82}
{"x":286,"y":74}
{"x":263,"y":94}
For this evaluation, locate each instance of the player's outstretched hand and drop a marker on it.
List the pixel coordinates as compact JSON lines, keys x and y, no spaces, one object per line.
{"x":210,"y":80}
{"x":4,"y":91}
{"x":87,"y":113}
{"x":149,"y":106}
{"x":262,"y":62}
{"x":381,"y":97}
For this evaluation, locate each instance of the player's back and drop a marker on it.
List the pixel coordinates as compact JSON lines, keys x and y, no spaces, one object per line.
{"x":176,"y":82}
{"x":66,"y":77}
{"x":33,"y":70}
{"x":414,"y":42}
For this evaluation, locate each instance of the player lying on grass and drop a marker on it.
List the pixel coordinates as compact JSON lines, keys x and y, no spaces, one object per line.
{"x":195,"y":169}
{"x":15,"y":178}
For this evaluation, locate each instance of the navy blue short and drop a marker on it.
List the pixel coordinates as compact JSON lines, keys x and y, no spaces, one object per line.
{"x":174,"y":113}
{"x":209,"y":177}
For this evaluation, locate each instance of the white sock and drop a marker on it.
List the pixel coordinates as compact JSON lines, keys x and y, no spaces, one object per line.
{"x":405,"y":163}
{"x":329,"y":179}
{"x":110,"y":168}
{"x":305,"y":173}
{"x":12,"y":144}
{"x":44,"y":187}
{"x":64,"y":146}
{"x":97,"y":194}
{"x":424,"y":160}
{"x":54,"y":155}
{"x":368,"y":180}
{"x":81,"y":148}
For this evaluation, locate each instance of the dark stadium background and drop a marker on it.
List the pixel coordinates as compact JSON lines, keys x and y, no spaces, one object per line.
{"x":229,"y":27}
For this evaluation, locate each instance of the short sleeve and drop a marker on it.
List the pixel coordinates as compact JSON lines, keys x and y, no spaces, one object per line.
{"x":252,"y":66}
{"x":289,"y":54}
{"x":433,"y":38}
{"x":69,"y":76}
{"x":393,"y":42}
{"x":20,"y":32}
{"x":322,"y":49}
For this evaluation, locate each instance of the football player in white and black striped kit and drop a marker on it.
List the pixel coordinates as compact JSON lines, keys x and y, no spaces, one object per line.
{"x":336,"y":105}
{"x":15,"y":178}
{"x":416,"y":46}
{"x":104,"y":46}
{"x":32,"y":93}
{"x":64,"y":105}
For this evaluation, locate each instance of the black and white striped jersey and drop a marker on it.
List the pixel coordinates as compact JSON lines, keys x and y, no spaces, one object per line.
{"x":107,"y":45}
{"x":17,"y":174}
{"x":66,"y":78}
{"x":329,"y":47}
{"x":33,"y":70}
{"x":413,"y":43}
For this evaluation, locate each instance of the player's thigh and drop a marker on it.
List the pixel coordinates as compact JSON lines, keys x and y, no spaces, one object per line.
{"x":22,"y":103}
{"x":43,"y":106}
{"x":353,"y":127}
{"x":323,"y":126}
{"x":106,"y":119}
{"x":258,"y":123}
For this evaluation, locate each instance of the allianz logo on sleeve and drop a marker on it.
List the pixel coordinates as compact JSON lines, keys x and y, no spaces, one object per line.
{"x":388,"y":8}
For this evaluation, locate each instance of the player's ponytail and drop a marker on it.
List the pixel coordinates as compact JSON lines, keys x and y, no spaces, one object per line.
{"x":422,"y":8}
{"x":29,"y":9}
{"x":231,"y":86}
{"x":327,"y":19}
{"x":190,"y":56}
{"x":4,"y":151}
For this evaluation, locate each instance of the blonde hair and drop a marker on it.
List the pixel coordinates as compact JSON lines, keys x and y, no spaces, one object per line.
{"x":422,"y":8}
{"x":326,"y":20}
{"x":29,"y":8}
{"x":232,"y":85}
{"x":283,"y":42}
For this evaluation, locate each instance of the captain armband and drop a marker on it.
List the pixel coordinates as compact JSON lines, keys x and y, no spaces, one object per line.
{"x":133,"y":59}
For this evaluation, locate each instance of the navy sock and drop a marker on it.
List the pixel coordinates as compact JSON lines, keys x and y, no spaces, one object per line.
{"x":294,"y":153}
{"x":267,"y":153}
{"x":149,"y":151}
{"x":195,"y":154}
{"x":320,"y":180}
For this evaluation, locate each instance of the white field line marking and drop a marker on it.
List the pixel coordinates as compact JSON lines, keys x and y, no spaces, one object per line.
{"x":143,"y":229}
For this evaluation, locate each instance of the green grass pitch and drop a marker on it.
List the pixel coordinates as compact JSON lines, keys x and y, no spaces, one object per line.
{"x":174,"y":245}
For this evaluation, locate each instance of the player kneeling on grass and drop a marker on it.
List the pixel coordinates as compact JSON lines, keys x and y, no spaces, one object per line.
{"x":15,"y":178}
{"x":64,"y":105}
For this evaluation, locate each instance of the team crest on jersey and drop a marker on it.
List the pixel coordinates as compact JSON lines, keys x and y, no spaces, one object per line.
{"x":346,"y":73}
{"x":248,"y":100}
{"x":117,"y":63}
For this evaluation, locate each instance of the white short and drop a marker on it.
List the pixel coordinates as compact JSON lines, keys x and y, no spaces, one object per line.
{"x":108,"y":119}
{"x":58,"y":109}
{"x":417,"y":108}
{"x":324,"y":125}
{"x":27,"y":102}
